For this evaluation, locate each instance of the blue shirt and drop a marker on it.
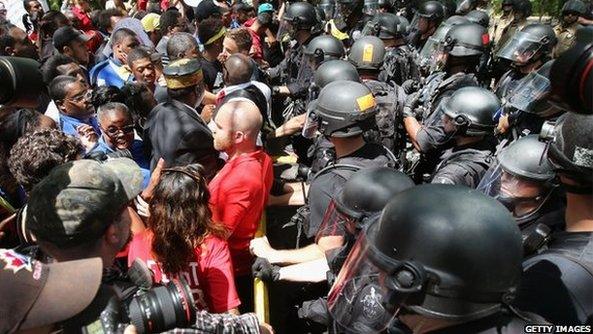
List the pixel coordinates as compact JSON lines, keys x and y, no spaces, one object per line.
{"x":68,"y":124}
{"x":109,"y":73}
{"x":137,"y":150}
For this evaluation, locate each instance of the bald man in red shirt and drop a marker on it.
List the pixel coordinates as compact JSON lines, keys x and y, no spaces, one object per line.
{"x":239,"y":192}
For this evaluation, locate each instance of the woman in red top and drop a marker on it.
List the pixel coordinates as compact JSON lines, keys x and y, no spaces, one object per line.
{"x":181,"y":239}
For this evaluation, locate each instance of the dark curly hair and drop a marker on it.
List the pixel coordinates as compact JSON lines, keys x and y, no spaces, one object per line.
{"x":180,"y":217}
{"x":36,"y":153}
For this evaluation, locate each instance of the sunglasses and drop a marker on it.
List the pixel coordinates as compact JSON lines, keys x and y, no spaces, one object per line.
{"x":86,"y":96}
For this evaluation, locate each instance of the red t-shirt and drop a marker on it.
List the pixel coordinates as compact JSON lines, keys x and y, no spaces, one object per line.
{"x":257,"y":51}
{"x":210,"y":276}
{"x":238,"y":196}
{"x":86,"y":23}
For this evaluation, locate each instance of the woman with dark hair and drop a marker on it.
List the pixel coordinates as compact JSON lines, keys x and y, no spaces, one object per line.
{"x":182,"y":239}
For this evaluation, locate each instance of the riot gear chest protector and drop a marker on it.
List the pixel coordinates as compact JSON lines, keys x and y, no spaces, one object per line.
{"x":435,"y":251}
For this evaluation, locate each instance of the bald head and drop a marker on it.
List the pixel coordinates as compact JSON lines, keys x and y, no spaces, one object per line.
{"x":239,"y":69}
{"x":242,"y":115}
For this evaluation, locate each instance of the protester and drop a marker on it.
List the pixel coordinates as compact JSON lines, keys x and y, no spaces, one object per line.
{"x":240,"y":190}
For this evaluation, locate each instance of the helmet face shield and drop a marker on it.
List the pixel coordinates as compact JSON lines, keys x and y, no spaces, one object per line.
{"x":530,"y":95}
{"x":463,"y":7}
{"x":358,"y":299}
{"x":311,"y":120}
{"x":336,"y":223}
{"x":520,"y":49}
{"x":522,"y":197}
{"x":328,"y":10}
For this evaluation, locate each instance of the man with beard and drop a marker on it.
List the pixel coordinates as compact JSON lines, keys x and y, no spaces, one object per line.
{"x":239,"y":192}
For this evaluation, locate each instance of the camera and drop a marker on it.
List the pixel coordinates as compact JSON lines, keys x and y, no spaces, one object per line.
{"x":157,"y":308}
{"x":134,"y":298}
{"x":20,"y":82}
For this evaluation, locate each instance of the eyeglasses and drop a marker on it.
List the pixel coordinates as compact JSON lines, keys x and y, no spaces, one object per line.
{"x":86,"y":96}
{"x":113,"y":131}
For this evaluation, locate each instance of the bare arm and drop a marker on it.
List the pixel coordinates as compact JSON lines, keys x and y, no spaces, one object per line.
{"x":312,"y":271}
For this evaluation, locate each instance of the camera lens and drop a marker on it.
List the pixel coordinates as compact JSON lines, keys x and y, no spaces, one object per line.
{"x":163,"y":308}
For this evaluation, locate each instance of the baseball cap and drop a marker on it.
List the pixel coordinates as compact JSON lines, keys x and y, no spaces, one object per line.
{"x":67,"y":34}
{"x":151,"y":22}
{"x":36,"y":294}
{"x":207,"y":8}
{"x":265,"y":8}
{"x":78,"y":200}
{"x":182,"y":73}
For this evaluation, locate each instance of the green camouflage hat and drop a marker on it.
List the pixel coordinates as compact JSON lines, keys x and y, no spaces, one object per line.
{"x":78,"y":200}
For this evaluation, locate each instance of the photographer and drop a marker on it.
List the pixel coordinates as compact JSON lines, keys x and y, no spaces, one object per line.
{"x":80,"y":210}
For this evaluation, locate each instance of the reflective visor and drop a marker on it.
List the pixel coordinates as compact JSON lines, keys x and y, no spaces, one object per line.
{"x":520,"y":49}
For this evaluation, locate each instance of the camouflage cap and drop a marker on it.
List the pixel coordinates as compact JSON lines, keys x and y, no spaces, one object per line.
{"x":78,"y":200}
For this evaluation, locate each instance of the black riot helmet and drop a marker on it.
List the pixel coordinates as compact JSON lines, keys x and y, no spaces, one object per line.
{"x":411,"y":259}
{"x":571,"y":151}
{"x":335,"y":70}
{"x":574,"y":6}
{"x":367,"y":53}
{"x":328,"y":7}
{"x":301,"y":15}
{"x":522,"y":180}
{"x":465,"y":6}
{"x":533,"y":42}
{"x":432,"y":11}
{"x":385,"y":26}
{"x":344,"y":109}
{"x":471,"y":110}
{"x":480,"y":17}
{"x":329,"y":71}
{"x":323,"y":48}
{"x":466,"y":39}
{"x":571,"y":75}
{"x":362,"y":198}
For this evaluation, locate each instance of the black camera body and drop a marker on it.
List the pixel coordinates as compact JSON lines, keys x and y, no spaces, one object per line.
{"x":135,"y":299}
{"x":21,"y":83}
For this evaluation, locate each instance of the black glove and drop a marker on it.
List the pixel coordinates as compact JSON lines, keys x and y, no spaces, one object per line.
{"x":264,"y":270}
{"x":410,"y":106}
{"x":409,"y":86}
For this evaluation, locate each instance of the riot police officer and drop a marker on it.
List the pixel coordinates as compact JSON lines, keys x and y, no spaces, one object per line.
{"x":434,"y":258}
{"x":468,"y":122}
{"x":399,"y":64}
{"x":524,"y":181}
{"x":428,"y":17}
{"x":528,"y":50}
{"x":459,"y":57}
{"x":300,"y":22}
{"x":343,"y":111}
{"x":328,"y":7}
{"x":321,"y":49}
{"x":558,"y":283}
{"x":567,"y":28}
{"x":367,"y":55}
{"x":348,"y":21}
